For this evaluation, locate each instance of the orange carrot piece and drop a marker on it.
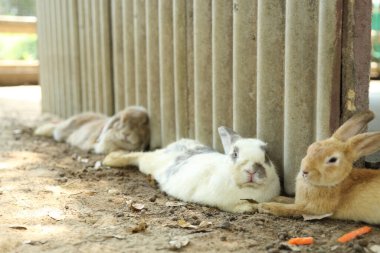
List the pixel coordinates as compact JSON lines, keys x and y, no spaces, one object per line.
{"x":301,"y":241}
{"x":353,"y":234}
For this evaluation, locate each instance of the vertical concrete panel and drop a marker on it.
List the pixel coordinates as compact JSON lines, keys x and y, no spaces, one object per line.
{"x":105,"y":57}
{"x":83,"y":56}
{"x":51,"y":60}
{"x":60,"y":91}
{"x":140,"y":51}
{"x":329,"y":67}
{"x":43,"y":47}
{"x":200,"y":64}
{"x":65,"y":70}
{"x":118,"y":54}
{"x":356,"y":56}
{"x":97,"y":51}
{"x":41,"y":31}
{"x":190,"y":67}
{"x":221,"y":67}
{"x":244,"y":66}
{"x":203,"y":71}
{"x":54,"y":57}
{"x":129,"y":52}
{"x":90,"y":61}
{"x":74,"y":57}
{"x":180,"y":67}
{"x":301,"y":38}
{"x":270,"y":76}
{"x":51,"y":42}
{"x":153,"y":73}
{"x":165,"y":24}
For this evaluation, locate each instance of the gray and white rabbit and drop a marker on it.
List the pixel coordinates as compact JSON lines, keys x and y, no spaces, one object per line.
{"x":127,"y":130}
{"x":193,"y":172}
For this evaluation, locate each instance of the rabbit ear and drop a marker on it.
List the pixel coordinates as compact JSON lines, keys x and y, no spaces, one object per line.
{"x":228,"y":137}
{"x":110,"y":123}
{"x":353,"y":126}
{"x":364,"y":144}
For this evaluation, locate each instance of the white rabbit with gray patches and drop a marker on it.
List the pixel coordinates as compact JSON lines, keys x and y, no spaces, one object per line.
{"x":193,"y":172}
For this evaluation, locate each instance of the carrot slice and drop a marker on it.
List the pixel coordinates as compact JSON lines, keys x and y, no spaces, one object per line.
{"x":301,"y":241}
{"x":353,"y":234}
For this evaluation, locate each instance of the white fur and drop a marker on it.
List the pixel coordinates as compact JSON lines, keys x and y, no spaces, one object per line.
{"x":65,"y":128}
{"x":45,"y":130}
{"x":212,"y":179}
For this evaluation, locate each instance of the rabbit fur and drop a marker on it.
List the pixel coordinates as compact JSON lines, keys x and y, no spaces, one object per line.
{"x":328,"y":183}
{"x":193,"y":172}
{"x":127,"y":130}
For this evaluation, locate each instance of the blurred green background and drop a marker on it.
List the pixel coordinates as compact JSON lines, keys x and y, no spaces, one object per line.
{"x":376,"y":30}
{"x":18,"y":7}
{"x":18,"y":46}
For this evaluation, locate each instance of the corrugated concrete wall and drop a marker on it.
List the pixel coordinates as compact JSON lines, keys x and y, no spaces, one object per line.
{"x":267,"y":68}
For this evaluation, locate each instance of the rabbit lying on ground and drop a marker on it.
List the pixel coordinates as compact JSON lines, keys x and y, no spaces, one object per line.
{"x":327,"y":183}
{"x":193,"y":172}
{"x":127,"y":130}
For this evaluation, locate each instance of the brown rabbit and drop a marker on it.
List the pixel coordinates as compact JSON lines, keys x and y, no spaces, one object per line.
{"x":327,"y":183}
{"x":127,"y":130}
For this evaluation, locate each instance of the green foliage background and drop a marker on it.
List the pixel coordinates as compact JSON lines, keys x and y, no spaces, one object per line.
{"x":18,"y":7}
{"x":18,"y":46}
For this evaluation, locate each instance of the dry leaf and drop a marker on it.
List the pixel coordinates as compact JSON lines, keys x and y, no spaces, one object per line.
{"x":90,"y":193}
{"x":113,"y":191}
{"x":137,"y":206}
{"x":178,"y":243}
{"x":18,"y":227}
{"x":141,"y":227}
{"x":34,"y":242}
{"x":119,"y":237}
{"x":184,"y":224}
{"x":204,"y":224}
{"x":286,"y":246}
{"x":174,"y":204}
{"x":307,"y":217}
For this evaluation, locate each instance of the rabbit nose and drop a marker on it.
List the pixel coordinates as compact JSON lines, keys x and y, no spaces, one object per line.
{"x":250,"y":171}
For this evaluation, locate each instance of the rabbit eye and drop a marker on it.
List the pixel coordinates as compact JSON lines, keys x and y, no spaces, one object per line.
{"x":332,"y":160}
{"x":234,"y":154}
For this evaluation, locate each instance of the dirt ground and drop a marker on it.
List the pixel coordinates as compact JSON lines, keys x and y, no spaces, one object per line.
{"x":55,"y":198}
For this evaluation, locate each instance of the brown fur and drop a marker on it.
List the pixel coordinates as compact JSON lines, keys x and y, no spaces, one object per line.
{"x":324,"y":186}
{"x":127,"y":130}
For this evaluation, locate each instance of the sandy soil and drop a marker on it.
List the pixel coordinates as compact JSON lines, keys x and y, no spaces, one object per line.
{"x":54,"y":198}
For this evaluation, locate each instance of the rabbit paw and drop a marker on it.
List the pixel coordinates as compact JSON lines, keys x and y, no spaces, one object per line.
{"x":115,"y":159}
{"x":268,"y":208}
{"x":245,"y":208}
{"x":279,"y":209}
